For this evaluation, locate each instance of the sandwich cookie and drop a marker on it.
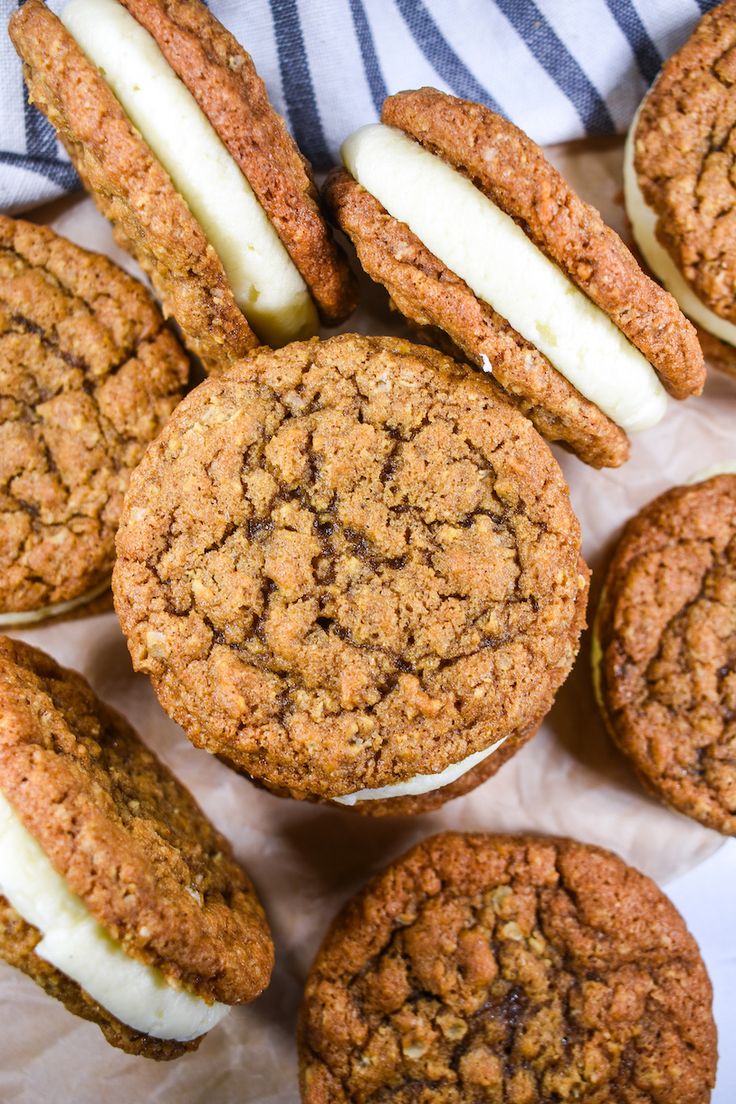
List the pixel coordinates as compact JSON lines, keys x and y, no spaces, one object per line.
{"x":172,"y":132}
{"x":664,"y":650}
{"x":514,"y":968}
{"x":479,"y":240}
{"x":678,"y":173}
{"x":352,"y":572}
{"x":118,"y":897}
{"x":88,"y":376}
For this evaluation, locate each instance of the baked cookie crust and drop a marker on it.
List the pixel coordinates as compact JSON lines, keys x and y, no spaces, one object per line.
{"x":519,"y":968}
{"x":667,"y":639}
{"x":347,"y":563}
{"x":88,"y":377}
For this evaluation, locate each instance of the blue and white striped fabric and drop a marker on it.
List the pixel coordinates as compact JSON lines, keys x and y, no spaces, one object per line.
{"x":560,"y":69}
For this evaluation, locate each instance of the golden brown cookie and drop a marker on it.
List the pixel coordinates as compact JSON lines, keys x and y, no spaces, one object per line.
{"x":223,"y":79}
{"x":666,"y":645}
{"x":684,"y":156}
{"x":678,"y":181}
{"x":347,"y":564}
{"x":129,"y":841}
{"x":511,"y":171}
{"x":88,"y":376}
{"x":149,"y":216}
{"x":515,"y":968}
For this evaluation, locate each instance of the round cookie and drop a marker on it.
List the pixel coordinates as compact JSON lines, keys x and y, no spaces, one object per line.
{"x":488,"y":152}
{"x":516,"y":968}
{"x":150,"y":215}
{"x":88,"y":376}
{"x":347,"y":564}
{"x":141,"y":860}
{"x":679,"y":194}
{"x":665,"y":644}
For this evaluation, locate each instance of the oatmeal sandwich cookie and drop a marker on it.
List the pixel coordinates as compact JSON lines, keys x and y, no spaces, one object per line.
{"x":483,"y":245}
{"x":515,"y":968}
{"x":171,"y":129}
{"x":352,"y":572}
{"x":117,"y":896}
{"x":679,"y":169}
{"x":665,"y":649}
{"x":88,"y":376}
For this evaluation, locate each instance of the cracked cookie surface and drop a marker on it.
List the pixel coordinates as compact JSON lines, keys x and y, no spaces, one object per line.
{"x":346,"y":563}
{"x":684,"y":157}
{"x":522,"y":969}
{"x":88,"y":376}
{"x":667,"y":633}
{"x":126,"y":836}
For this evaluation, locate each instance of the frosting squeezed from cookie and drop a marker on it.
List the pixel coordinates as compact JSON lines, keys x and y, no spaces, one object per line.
{"x":266,"y":284}
{"x":75,"y":943}
{"x":644,"y":228}
{"x":422,"y":783}
{"x":56,"y":609}
{"x":485,"y":247}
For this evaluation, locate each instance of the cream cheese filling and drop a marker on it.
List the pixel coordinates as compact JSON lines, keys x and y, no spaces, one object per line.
{"x":485,"y":247}
{"x":30,"y":617}
{"x":596,"y":655}
{"x":421,"y":783}
{"x":75,"y":943}
{"x":266,"y":283}
{"x":644,"y":228}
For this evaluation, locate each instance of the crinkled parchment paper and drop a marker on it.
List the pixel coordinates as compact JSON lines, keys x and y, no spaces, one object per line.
{"x":306,"y":860}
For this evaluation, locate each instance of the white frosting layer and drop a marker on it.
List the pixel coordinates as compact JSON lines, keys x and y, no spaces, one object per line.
{"x":29,"y":617}
{"x":266,"y":284}
{"x":643,"y":224}
{"x":484,"y":246}
{"x":723,"y":467}
{"x":75,"y":943}
{"x":422,"y":783}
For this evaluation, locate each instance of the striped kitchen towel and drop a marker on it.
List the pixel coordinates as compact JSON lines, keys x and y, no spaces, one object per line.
{"x":560,"y":69}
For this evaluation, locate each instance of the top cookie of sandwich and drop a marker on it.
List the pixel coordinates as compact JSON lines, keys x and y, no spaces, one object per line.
{"x":88,"y":376}
{"x":665,"y":648}
{"x":507,"y":968}
{"x":348,"y":563}
{"x":180,"y":147}
{"x":638,"y":328}
{"x":684,"y":158}
{"x":125,"y":835}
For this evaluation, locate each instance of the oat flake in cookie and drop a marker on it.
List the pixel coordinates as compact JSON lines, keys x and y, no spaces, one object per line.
{"x":349,"y":568}
{"x":665,"y":649}
{"x":88,"y":376}
{"x":518,"y":968}
{"x":679,"y":169}
{"x":485,"y":248}
{"x":118,"y":897}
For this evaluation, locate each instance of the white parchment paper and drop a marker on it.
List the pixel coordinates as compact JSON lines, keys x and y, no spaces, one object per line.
{"x":307,"y":860}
